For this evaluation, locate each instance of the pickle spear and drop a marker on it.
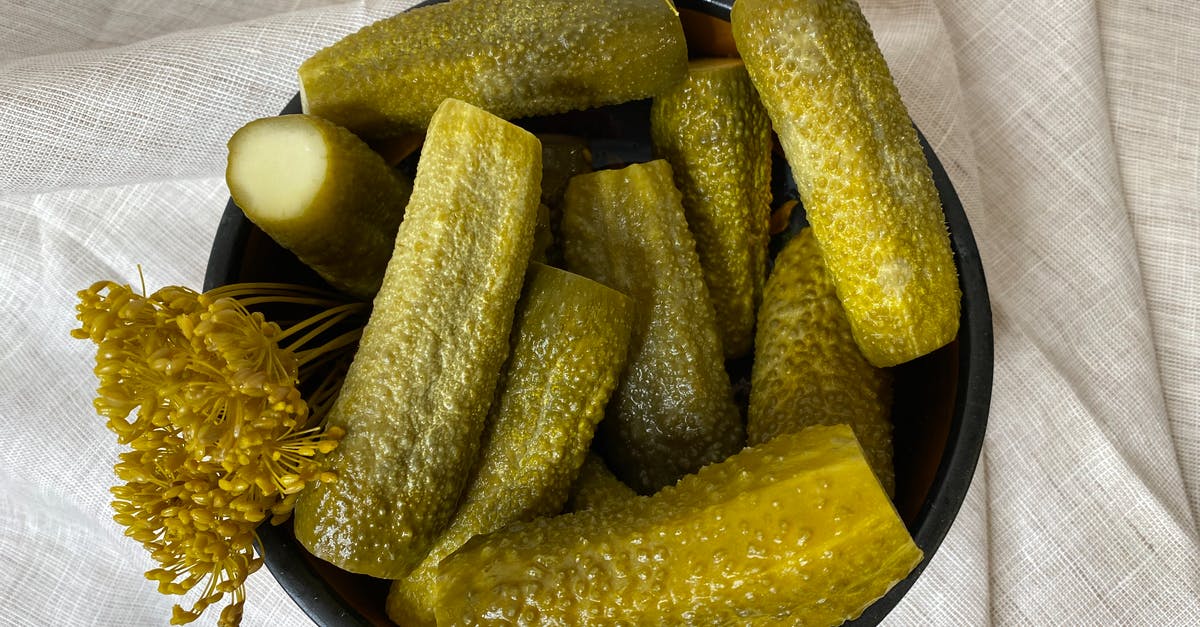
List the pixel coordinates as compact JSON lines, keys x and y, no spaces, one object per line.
{"x":570,"y":339}
{"x":596,"y":486}
{"x":673,"y":411}
{"x":859,"y":168}
{"x":796,"y":530}
{"x":716,"y":135}
{"x":808,"y":370}
{"x":415,"y":398}
{"x":320,"y":192}
{"x":515,"y":58}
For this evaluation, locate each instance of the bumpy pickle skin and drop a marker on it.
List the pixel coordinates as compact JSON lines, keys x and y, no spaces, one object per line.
{"x":797,"y":530}
{"x":322,"y":193}
{"x":416,"y":396}
{"x":571,"y":335}
{"x":596,"y":487}
{"x":808,"y":370}
{"x":515,"y":58}
{"x":862,"y":176}
{"x":673,"y":411}
{"x":716,"y":135}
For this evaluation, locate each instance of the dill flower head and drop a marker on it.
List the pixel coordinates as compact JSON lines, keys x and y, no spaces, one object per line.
{"x":206,"y":395}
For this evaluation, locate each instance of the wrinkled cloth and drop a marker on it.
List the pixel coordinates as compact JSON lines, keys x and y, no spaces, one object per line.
{"x":1070,"y":129}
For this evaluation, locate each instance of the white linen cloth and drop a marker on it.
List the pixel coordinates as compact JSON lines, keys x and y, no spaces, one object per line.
{"x":1070,"y":128}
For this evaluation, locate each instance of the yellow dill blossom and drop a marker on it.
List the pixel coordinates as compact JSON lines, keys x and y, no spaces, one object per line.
{"x":206,"y":395}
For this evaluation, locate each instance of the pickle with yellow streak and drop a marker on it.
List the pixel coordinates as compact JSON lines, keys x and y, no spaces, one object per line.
{"x":795,"y":531}
{"x":416,"y":396}
{"x":859,"y":168}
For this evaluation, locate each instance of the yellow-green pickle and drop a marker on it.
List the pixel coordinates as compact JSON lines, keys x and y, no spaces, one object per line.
{"x":807,"y":369}
{"x":322,"y":193}
{"x":859,"y":168}
{"x":416,"y":396}
{"x":673,"y":411}
{"x":515,"y":58}
{"x":596,"y":486}
{"x":716,"y":135}
{"x":797,"y":531}
{"x":569,"y":344}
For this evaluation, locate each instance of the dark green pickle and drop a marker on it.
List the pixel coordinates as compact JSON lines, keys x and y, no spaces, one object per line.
{"x":417,"y":394}
{"x":563,"y":157}
{"x":674,"y":411}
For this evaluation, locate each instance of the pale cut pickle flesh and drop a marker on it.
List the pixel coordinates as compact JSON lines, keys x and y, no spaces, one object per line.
{"x":796,"y":531}
{"x":673,"y":411}
{"x":322,"y":193}
{"x":860,"y":170}
{"x":415,"y":398}
{"x":808,"y":370}
{"x":570,"y":339}
{"x":515,"y":58}
{"x":716,"y":135}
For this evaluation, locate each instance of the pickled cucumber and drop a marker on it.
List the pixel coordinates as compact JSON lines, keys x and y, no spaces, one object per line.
{"x":570,"y":340}
{"x":415,"y":398}
{"x":808,"y":370}
{"x":859,"y":168}
{"x":797,"y":530}
{"x":322,"y":193}
{"x":673,"y":411}
{"x":563,"y":156}
{"x":716,"y":135}
{"x":515,"y":58}
{"x":596,"y":486}
{"x":543,"y":237}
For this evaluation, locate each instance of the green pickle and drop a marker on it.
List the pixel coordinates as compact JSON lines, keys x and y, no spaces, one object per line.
{"x":796,"y":531}
{"x":570,"y":340}
{"x":563,"y":157}
{"x":716,"y":135}
{"x":543,"y":237}
{"x":596,"y":486}
{"x":515,"y":58}
{"x":859,"y":168}
{"x":320,"y":192}
{"x":673,"y":411}
{"x":808,"y":370}
{"x":417,"y":394}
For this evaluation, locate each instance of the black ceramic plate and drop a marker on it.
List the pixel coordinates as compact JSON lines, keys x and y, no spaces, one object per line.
{"x":941,"y":400}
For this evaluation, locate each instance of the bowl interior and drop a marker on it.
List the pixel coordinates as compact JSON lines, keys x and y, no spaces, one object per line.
{"x":941,"y":400}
